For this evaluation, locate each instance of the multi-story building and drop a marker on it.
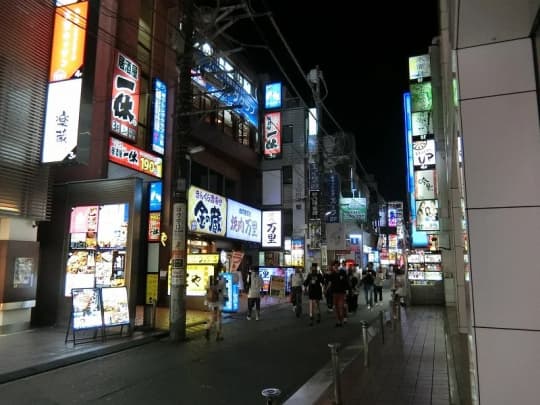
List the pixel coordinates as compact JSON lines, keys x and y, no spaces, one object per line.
{"x":484,"y":72}
{"x":85,"y":200}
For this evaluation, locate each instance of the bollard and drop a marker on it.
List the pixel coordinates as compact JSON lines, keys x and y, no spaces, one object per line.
{"x":381,"y":318}
{"x":270,"y":394}
{"x":365,"y":340}
{"x":335,"y":365}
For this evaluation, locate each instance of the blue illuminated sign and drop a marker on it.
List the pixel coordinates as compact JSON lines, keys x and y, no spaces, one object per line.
{"x":229,"y":92}
{"x":160,"y":114}
{"x":272,"y":95}
{"x":232,"y":303}
{"x":155,"y":196}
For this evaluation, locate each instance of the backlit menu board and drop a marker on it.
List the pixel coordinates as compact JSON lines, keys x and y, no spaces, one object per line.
{"x":115,"y":306}
{"x":97,"y":244}
{"x":86,"y":308}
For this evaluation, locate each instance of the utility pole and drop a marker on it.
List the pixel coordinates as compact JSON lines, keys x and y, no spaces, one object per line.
{"x":182,"y":128}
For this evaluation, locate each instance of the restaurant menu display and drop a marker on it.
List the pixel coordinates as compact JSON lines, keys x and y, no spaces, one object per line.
{"x":424,"y":265}
{"x":115,"y":306}
{"x":97,"y":247}
{"x":86,"y":308}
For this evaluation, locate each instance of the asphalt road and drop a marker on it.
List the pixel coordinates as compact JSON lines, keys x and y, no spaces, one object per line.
{"x":279,"y":351}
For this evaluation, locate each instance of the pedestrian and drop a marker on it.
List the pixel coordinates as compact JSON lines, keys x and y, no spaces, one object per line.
{"x":216,"y":294}
{"x":297,"y":282}
{"x":340,"y":285}
{"x":352,"y":296}
{"x":367,"y":282}
{"x":378,"y":286}
{"x":327,"y":290}
{"x":314,"y":285}
{"x":255,"y":285}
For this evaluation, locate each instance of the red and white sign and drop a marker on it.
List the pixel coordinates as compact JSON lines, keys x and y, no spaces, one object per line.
{"x":125,"y":97}
{"x":272,"y":134}
{"x":134,"y":158}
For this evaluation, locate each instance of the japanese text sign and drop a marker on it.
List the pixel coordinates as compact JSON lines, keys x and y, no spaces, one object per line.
{"x":272,"y":135}
{"x":134,"y":158}
{"x":207,"y":212}
{"x":243,"y":222}
{"x":271,"y":229}
{"x":125,"y":97}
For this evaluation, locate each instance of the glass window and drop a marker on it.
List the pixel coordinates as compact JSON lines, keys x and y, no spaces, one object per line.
{"x":227,"y":122}
{"x":287,"y":174}
{"x":287,"y":133}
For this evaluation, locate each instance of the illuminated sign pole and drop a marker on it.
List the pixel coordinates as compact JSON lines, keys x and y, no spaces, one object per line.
{"x":183,"y":105}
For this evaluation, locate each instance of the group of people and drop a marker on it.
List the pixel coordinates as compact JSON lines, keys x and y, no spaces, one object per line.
{"x":340,"y":286}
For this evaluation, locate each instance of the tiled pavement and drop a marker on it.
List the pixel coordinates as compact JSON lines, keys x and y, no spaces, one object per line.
{"x":410,"y":368}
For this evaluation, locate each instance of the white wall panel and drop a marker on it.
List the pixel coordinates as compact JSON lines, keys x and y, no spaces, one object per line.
{"x":500,"y":68}
{"x":508,"y":369}
{"x":501,"y":148}
{"x":504,"y":266}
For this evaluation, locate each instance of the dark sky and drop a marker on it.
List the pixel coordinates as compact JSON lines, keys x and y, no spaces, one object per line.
{"x":363,"y":53}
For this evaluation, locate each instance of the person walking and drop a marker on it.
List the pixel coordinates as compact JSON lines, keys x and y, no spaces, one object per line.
{"x":352,"y":296}
{"x":340,"y":285}
{"x":314,"y":285}
{"x":367,"y":282}
{"x":216,"y":293}
{"x":255,"y":285}
{"x":297,"y":282}
{"x":327,"y":290}
{"x":378,"y":286}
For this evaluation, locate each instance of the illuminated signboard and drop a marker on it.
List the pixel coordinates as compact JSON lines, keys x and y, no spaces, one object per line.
{"x":156,"y":188}
{"x":112,"y":226}
{"x":86,"y":308}
{"x":154,"y":226}
{"x":137,"y":159}
{"x":61,"y":121}
{"x":228,"y":92}
{"x":419,"y":67}
{"x":67,"y":54}
{"x":198,"y":278}
{"x":233,"y":294}
{"x":207,"y":212}
{"x":313,"y":122}
{"x":424,"y":153}
{"x":427,"y":215}
{"x":425,"y":185}
{"x":115,"y":306}
{"x":243,"y":222}
{"x":271,"y":229}
{"x":272,"y":95}
{"x":125,"y":97}
{"x":272,"y":135}
{"x":422,"y":123}
{"x":206,"y":258}
{"x":421,"y":99}
{"x":160,"y":116}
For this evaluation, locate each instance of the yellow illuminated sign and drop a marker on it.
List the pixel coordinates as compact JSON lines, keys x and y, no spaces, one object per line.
{"x":197,"y":279}
{"x":211,"y":258}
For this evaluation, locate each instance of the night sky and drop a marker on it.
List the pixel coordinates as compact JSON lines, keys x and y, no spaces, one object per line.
{"x":362,"y":51}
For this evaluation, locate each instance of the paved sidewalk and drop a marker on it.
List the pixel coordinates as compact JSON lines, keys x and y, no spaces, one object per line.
{"x":410,"y":368}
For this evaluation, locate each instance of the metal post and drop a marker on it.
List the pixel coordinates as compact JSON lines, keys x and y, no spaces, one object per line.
{"x":270,"y":394}
{"x":381,"y":318}
{"x":365,"y":342}
{"x":183,"y":105}
{"x":335,"y":366}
